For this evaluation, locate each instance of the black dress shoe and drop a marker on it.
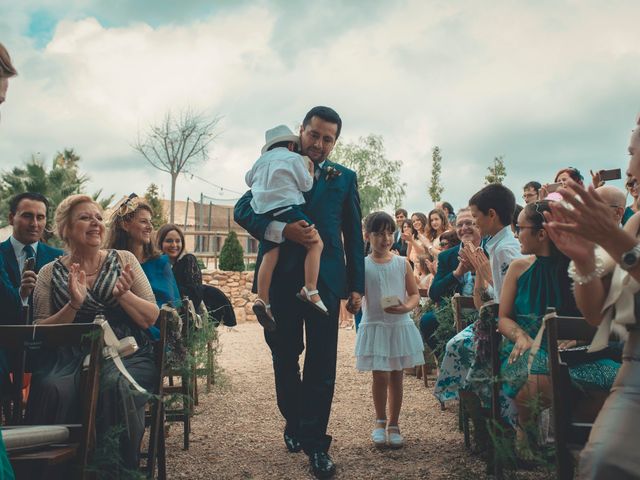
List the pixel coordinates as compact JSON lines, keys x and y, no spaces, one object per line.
{"x":292,"y":443}
{"x":322,"y":465}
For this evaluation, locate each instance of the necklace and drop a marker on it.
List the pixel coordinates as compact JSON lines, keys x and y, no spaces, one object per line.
{"x":93,"y":274}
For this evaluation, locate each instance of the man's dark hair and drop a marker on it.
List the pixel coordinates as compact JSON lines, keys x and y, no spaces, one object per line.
{"x":499,"y":198}
{"x":402,"y":211}
{"x":325,"y":113}
{"x":516,"y":214}
{"x":532,"y":184}
{"x":36,"y":197}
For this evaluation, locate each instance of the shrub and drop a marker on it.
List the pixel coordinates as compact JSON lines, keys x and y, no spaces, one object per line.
{"x":231,"y":255}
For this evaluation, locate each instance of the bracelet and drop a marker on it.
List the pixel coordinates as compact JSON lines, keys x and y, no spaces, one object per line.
{"x":73,"y":306}
{"x":597,"y":272}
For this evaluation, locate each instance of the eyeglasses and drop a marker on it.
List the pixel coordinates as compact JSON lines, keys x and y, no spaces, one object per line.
{"x":524,"y":227}
{"x":466,"y":223}
{"x":529,"y":195}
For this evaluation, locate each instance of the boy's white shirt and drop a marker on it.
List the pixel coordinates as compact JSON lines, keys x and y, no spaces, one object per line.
{"x":278,"y":179}
{"x":274,"y":231}
{"x":503,"y":248}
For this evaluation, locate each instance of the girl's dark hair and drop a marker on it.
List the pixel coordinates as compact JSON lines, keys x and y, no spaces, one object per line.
{"x":535,"y":214}
{"x":423,"y":218}
{"x":431,"y":232}
{"x":118,"y":238}
{"x":449,"y":207}
{"x":379,"y":222}
{"x":164,"y":231}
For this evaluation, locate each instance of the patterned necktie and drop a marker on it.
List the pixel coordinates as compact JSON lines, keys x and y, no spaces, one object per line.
{"x":29,"y":252}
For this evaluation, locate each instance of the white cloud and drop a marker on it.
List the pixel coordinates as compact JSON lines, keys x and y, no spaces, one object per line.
{"x":541,"y":83}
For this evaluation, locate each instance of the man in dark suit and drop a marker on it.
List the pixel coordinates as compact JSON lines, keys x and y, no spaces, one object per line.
{"x":334,"y":206}
{"x":399,"y":245}
{"x":452,"y":275}
{"x":28,"y":216}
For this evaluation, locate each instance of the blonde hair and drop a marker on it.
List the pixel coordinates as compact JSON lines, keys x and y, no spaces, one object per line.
{"x":62,"y":216}
{"x":7,"y":70}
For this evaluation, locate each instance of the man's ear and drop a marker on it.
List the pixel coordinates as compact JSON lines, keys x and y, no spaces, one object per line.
{"x":11,"y":217}
{"x":491,"y":213}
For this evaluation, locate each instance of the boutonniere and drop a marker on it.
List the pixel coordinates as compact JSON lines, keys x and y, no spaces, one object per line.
{"x":331,"y":172}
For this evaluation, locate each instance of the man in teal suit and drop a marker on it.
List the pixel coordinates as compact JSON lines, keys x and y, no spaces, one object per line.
{"x":334,"y":206}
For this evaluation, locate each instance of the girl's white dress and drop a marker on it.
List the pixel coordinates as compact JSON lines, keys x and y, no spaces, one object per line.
{"x":386,"y":341}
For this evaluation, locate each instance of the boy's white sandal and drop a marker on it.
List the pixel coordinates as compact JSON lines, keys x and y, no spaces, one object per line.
{"x":394,"y":439}
{"x":379,"y":435}
{"x":306,"y":297}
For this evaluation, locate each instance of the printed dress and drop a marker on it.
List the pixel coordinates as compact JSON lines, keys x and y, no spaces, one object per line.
{"x":385,"y":341}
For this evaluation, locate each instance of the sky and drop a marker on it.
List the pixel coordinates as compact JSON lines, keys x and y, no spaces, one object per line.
{"x":546,"y":84}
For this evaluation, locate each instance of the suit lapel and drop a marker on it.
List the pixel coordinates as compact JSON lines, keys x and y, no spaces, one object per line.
{"x":11,"y":262}
{"x":320,"y":185}
{"x":41,"y":257}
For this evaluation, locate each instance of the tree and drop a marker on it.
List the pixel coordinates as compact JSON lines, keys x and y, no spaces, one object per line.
{"x":497,"y":171}
{"x":231,"y":255}
{"x":436,"y":189}
{"x":177,"y":143}
{"x":379,"y":183}
{"x":57,"y":183}
{"x":158,"y":217}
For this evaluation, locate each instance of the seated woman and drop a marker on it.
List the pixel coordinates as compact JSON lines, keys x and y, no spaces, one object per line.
{"x":74,"y":289}
{"x":533,"y":284}
{"x":131,"y":230}
{"x":438,"y":224}
{"x":170,"y":241}
{"x":417,"y":241}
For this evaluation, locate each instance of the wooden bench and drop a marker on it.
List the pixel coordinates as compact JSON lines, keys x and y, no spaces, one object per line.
{"x":71,"y":458}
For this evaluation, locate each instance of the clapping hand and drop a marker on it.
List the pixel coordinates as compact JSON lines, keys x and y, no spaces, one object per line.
{"x":77,"y":285}
{"x":123,"y":285}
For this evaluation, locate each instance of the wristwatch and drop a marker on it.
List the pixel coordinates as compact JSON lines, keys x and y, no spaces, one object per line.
{"x":631,"y":258}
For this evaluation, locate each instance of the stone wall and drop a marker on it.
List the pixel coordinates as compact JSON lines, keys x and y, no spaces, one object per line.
{"x":236,"y":286}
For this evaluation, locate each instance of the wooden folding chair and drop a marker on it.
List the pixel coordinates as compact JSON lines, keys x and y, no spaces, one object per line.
{"x":71,"y":458}
{"x":568,"y":402}
{"x":460,"y":303}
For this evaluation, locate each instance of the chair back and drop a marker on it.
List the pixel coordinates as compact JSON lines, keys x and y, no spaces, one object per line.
{"x":459,"y":303}
{"x":23,"y":338}
{"x":565,"y":431}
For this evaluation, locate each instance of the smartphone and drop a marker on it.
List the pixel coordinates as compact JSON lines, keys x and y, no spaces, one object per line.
{"x":614,"y":174}
{"x":553,"y":187}
{"x":29,"y":264}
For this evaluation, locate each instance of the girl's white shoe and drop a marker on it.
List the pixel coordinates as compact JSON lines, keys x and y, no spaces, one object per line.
{"x":394,"y":439}
{"x":379,"y":435}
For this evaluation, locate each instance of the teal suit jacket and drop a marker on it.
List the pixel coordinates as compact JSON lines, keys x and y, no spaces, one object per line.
{"x":334,"y":207}
{"x":44,"y":254}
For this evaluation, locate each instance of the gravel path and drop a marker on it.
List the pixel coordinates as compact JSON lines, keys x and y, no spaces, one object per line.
{"x":237,"y":431}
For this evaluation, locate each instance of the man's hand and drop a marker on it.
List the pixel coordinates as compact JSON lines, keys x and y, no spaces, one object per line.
{"x":27,"y":283}
{"x":354,"y":303}
{"x":301,"y":232}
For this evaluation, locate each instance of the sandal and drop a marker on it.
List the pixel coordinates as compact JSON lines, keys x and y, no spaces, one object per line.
{"x":379,"y":436}
{"x":263,"y":314}
{"x":394,"y":438}
{"x":319,"y":305}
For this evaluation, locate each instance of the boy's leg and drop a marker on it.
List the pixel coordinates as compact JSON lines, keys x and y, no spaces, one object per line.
{"x":312,"y":268}
{"x":265,"y":273}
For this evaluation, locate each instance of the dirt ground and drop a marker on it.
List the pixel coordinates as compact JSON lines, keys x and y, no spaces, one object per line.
{"x":237,"y":429}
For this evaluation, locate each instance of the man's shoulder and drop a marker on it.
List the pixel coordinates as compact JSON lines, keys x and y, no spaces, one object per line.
{"x":446,"y":256}
{"x":53,"y":251}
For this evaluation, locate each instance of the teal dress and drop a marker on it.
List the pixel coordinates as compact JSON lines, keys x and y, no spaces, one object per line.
{"x":6,"y":472}
{"x":160,"y":275}
{"x":539,"y":287}
{"x":628,"y":213}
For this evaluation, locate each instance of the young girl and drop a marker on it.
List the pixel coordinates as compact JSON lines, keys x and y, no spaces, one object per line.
{"x":387,"y":340}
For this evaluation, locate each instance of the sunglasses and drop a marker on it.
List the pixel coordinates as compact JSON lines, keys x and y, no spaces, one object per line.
{"x":444,"y":244}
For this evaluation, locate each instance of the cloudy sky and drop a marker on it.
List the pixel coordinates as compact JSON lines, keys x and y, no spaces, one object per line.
{"x":547,"y":84}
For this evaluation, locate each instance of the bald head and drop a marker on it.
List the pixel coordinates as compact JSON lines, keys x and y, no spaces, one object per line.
{"x":615,"y":198}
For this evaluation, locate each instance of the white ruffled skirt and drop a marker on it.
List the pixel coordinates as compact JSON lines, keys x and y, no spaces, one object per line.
{"x":388,"y":346}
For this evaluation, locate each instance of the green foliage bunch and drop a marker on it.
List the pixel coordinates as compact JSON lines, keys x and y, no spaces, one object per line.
{"x":231,"y":255}
{"x":379,"y":183}
{"x":56,"y":183}
{"x":158,"y":218}
{"x":497,"y":171}
{"x":436,"y":188}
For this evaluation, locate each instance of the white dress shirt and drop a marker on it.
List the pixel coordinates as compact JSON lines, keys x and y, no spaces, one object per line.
{"x":274,"y":231}
{"x":278,"y":179}
{"x":21,"y":256}
{"x":503,"y":248}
